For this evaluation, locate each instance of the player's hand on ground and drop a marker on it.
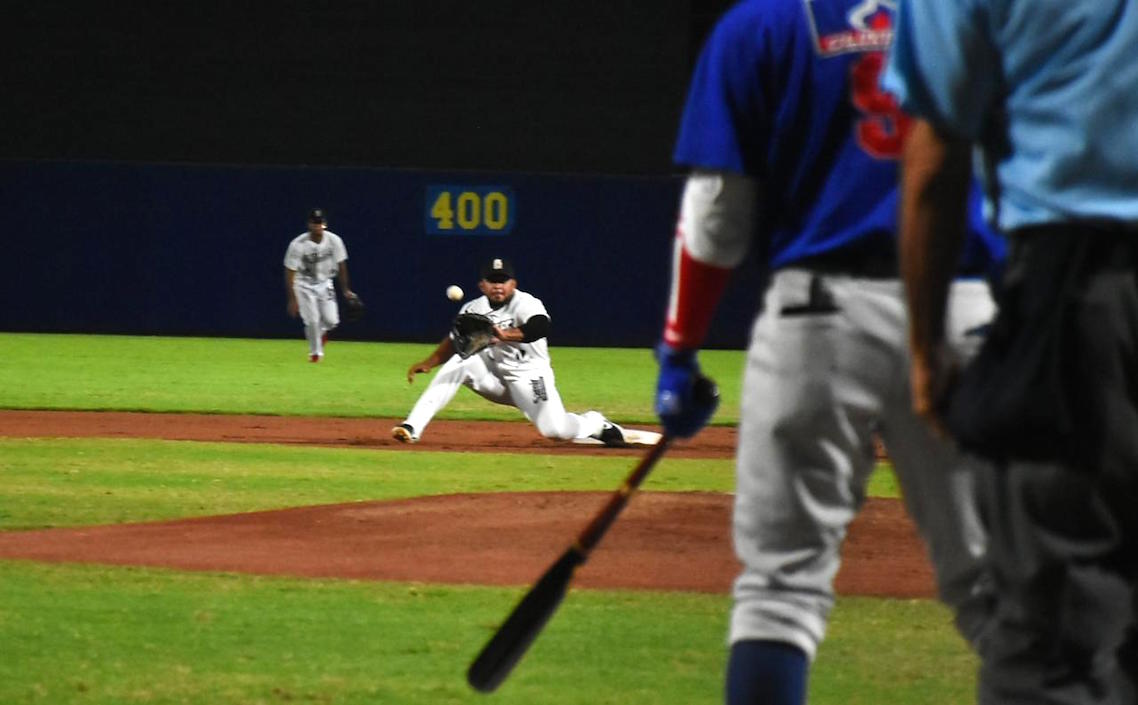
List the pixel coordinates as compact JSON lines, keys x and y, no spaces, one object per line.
{"x":421,"y":367}
{"x":685,"y":399}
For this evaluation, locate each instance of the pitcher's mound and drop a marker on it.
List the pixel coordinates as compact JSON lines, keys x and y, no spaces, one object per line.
{"x":662,"y":541}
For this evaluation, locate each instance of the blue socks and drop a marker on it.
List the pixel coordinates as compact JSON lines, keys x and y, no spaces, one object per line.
{"x":766,"y":673}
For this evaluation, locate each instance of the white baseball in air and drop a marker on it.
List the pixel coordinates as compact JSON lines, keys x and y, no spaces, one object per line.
{"x":454,"y":292}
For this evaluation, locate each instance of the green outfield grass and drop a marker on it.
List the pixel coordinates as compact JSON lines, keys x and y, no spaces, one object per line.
{"x":115,"y":636}
{"x":222,"y":375}
{"x":102,"y":635}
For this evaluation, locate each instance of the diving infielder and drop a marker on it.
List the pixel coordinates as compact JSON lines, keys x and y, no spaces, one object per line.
{"x":793,"y":149}
{"x":515,"y":371}
{"x":311,"y":263}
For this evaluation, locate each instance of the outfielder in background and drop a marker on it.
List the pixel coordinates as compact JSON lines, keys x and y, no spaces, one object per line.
{"x":312,"y":261}
{"x":514,"y":371}
{"x":1046,"y":91}
{"x":793,"y":151}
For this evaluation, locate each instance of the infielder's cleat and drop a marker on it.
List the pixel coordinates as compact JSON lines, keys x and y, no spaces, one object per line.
{"x":404,"y":433}
{"x":612,"y":435}
{"x":314,"y":358}
{"x":324,"y":339}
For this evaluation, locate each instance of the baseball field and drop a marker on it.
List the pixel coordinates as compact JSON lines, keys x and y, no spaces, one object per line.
{"x":190,"y":520}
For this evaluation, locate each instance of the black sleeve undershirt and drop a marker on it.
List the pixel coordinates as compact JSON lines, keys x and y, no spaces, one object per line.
{"x":536,"y":328}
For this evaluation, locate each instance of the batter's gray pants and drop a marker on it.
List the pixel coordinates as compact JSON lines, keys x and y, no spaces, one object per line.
{"x":827,"y":369}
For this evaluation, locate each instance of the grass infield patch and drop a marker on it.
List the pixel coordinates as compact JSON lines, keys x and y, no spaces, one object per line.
{"x":83,"y":481}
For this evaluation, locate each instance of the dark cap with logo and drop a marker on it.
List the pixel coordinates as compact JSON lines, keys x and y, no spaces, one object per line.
{"x":316,"y":215}
{"x":497,"y":270}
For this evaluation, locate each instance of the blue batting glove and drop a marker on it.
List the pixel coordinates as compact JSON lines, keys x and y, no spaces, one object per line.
{"x":685,"y":399}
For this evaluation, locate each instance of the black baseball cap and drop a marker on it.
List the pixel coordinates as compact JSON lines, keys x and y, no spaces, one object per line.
{"x":497,"y":270}
{"x":316,"y":215}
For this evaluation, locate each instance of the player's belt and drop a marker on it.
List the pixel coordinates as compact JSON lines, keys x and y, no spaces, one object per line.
{"x":1115,"y":241}
{"x":869,"y":267}
{"x":858,"y":265}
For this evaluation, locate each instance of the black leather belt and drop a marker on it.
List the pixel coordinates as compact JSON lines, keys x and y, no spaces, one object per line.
{"x":858,"y":265}
{"x":874,"y":266}
{"x":1113,"y":244}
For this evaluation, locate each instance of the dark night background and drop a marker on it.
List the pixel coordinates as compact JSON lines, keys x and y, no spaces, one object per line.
{"x":547,"y":86}
{"x":168,"y":152}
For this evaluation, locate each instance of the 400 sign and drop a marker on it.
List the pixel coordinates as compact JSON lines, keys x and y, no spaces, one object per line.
{"x":469,"y":210}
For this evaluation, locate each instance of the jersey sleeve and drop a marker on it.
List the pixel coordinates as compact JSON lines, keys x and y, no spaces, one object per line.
{"x":529,"y":307}
{"x":942,"y":65}
{"x":716,"y":221}
{"x":339,"y":250}
{"x":292,"y":257}
{"x":724,"y":124}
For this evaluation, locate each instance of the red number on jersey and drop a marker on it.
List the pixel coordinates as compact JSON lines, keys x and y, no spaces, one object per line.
{"x":882,"y":130}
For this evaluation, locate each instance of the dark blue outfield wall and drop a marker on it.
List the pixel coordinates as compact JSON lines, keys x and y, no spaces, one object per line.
{"x":197,"y":250}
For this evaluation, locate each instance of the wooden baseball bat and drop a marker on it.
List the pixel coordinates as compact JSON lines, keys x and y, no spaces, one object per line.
{"x":498,"y":658}
{"x":531,"y":614}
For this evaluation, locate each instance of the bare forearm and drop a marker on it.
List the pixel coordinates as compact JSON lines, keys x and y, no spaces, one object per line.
{"x":345,"y":282}
{"x":934,"y":188}
{"x":536,"y":328}
{"x":290,"y":278}
{"x":510,"y":335}
{"x":440,"y":354}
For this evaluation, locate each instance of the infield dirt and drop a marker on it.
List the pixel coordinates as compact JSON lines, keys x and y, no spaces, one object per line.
{"x":663,"y":541}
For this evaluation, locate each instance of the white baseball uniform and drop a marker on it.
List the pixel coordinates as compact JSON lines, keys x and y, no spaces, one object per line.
{"x":316,"y":265}
{"x":514,"y":374}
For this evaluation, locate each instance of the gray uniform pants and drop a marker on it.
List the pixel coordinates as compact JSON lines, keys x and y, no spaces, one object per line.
{"x":318,"y":310}
{"x":827,"y":369}
{"x":1064,"y":532}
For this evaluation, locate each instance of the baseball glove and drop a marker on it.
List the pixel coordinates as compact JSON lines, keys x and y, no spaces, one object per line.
{"x":354,"y":308}
{"x":472,"y":333}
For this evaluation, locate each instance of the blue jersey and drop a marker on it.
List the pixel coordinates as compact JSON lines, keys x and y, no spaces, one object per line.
{"x":787,"y":92}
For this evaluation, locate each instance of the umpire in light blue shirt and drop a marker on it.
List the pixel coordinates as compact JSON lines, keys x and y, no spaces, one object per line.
{"x":1040,"y":98}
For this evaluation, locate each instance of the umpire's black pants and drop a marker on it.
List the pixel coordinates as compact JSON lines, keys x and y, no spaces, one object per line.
{"x":1064,"y":531}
